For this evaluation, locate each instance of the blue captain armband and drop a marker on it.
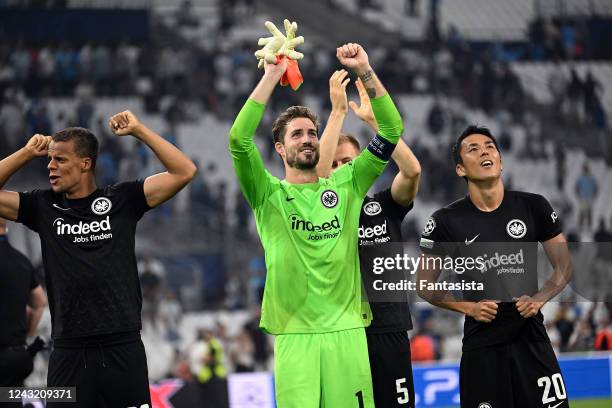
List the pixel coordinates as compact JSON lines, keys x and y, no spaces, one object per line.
{"x":381,"y":147}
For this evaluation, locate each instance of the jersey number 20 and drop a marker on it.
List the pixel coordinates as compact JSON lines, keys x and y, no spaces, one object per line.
{"x":557,"y":382}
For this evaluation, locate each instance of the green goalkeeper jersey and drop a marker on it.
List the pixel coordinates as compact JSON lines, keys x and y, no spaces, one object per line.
{"x":309,"y":231}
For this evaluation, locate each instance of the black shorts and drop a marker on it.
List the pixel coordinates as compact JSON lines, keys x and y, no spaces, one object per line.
{"x":520,"y":374}
{"x":104,"y":376}
{"x":15,"y":365}
{"x":391,"y":369}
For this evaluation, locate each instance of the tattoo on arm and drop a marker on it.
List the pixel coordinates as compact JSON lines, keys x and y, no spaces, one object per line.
{"x":365,"y":78}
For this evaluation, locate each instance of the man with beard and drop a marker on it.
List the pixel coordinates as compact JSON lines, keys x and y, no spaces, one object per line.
{"x":308,"y":225}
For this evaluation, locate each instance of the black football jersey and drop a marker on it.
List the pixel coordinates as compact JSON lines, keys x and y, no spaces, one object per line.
{"x":380,"y":223}
{"x":89,"y":257}
{"x":17,"y":280}
{"x":506,"y":241}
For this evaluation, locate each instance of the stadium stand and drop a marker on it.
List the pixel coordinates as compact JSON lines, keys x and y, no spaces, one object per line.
{"x":439,"y":89}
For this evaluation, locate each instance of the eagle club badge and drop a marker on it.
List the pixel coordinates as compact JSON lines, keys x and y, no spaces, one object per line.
{"x":372,"y":208}
{"x":101,"y":205}
{"x":516,"y":228}
{"x":329,"y":198}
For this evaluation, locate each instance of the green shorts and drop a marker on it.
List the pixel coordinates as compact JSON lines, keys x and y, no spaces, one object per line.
{"x":326,"y":370}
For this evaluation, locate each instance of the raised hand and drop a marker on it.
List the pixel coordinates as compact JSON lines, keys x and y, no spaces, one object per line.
{"x":364,"y":110}
{"x":337,"y":90}
{"x":124,"y":123}
{"x":279,"y":44}
{"x":38,"y":145}
{"x":354,"y":57}
{"x":276,"y":69}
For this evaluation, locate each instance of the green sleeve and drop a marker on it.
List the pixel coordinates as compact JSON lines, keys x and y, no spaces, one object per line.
{"x":366,"y":169}
{"x":390,"y":125}
{"x":249,"y":166}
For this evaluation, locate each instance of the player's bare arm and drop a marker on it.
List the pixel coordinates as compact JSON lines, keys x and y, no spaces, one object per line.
{"x":37,"y":146}
{"x":35,"y":308}
{"x":329,"y":139}
{"x":406,"y":183}
{"x":180,"y":169}
{"x":483,"y":311}
{"x":563,"y":270}
{"x":354,"y":57}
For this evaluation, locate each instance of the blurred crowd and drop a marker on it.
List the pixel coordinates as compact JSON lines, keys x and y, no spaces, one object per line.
{"x":180,"y":81}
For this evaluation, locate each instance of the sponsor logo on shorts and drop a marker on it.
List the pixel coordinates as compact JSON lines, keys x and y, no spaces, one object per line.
{"x":485,"y":405}
{"x":101,"y":206}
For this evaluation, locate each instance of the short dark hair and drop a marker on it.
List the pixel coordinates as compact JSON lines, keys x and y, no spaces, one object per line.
{"x":85,"y":142}
{"x":348,"y":138}
{"x":280,"y":124}
{"x":470,"y":130}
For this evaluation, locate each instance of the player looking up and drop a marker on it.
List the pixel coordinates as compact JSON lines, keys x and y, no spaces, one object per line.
{"x":507,"y":358}
{"x":308,"y":226}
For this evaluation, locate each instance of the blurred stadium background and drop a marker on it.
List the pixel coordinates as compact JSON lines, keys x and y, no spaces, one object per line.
{"x":537,"y":72}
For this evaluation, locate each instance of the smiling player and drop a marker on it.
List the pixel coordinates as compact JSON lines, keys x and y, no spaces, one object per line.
{"x":308,"y":228}
{"x":507,"y":358}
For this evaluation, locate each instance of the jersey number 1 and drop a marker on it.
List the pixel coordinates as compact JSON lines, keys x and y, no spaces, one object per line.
{"x":359,"y":396}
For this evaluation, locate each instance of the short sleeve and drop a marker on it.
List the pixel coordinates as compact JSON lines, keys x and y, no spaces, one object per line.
{"x":435,"y":238}
{"x":28,"y":209}
{"x":134,"y":196}
{"x":548,"y":224}
{"x":385,"y":198}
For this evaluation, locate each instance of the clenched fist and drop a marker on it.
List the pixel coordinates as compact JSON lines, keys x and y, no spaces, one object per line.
{"x":484,"y":311}
{"x":125,"y":123}
{"x":38,"y":145}
{"x":354,"y":57}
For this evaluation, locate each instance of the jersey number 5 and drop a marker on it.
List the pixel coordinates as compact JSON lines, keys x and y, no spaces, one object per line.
{"x":404,"y":397}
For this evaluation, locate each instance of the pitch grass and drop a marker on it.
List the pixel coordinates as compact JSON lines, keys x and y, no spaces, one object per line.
{"x":591,"y":403}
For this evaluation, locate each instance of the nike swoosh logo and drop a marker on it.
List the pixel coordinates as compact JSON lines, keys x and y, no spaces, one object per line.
{"x":290,"y":198}
{"x":60,"y":208}
{"x":471,"y":240}
{"x":555,"y":406}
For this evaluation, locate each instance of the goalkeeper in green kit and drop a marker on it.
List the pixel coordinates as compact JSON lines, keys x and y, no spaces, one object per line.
{"x":308,"y":228}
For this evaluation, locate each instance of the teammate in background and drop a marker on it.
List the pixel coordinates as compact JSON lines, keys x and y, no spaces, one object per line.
{"x":23,"y":303}
{"x":380,"y":222}
{"x":87,"y":236}
{"x":507,"y":361}
{"x":307,"y":225}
